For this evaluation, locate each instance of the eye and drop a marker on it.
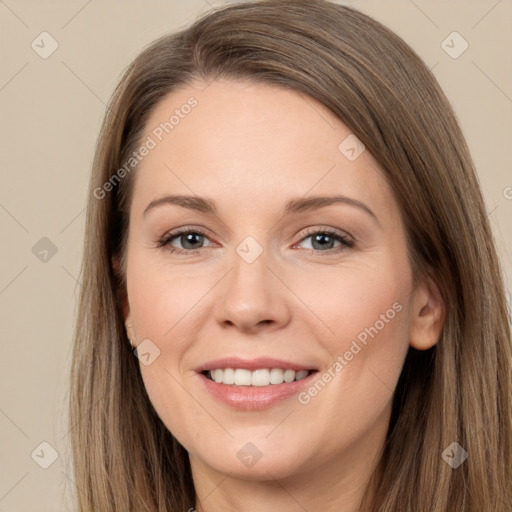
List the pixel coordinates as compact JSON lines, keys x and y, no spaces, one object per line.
{"x":323,"y":240}
{"x":191,"y":240}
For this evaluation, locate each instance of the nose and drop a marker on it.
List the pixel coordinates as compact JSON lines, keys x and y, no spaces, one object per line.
{"x":252,"y":297}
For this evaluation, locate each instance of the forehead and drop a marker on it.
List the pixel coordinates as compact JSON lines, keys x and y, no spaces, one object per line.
{"x":248,"y":143}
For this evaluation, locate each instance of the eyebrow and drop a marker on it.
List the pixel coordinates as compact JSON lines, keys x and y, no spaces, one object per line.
{"x":204,"y":205}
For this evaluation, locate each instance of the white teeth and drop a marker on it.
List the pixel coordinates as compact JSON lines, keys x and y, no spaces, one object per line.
{"x":276,"y":376}
{"x":263,"y":377}
{"x":302,"y":374}
{"x":228,"y":376}
{"x":260,"y":378}
{"x":242,"y":377}
{"x":289,"y":376}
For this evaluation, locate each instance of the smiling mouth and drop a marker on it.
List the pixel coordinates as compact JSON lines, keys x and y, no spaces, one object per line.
{"x":257,"y":378}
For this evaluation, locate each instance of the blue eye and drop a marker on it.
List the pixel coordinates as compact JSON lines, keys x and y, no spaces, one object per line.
{"x":187,"y":237}
{"x":325,"y":238}
{"x":192,"y":239}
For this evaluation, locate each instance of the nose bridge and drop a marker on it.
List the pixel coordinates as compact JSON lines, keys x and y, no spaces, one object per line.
{"x":250,"y":265}
{"x":250,"y":294}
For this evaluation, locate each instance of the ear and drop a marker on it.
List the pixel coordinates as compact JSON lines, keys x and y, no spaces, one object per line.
{"x":428,"y":315}
{"x":124,"y":303}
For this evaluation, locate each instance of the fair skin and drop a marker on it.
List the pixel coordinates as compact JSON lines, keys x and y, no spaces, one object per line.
{"x":251,"y":148}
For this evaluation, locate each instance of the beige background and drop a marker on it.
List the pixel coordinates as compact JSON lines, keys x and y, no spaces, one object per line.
{"x":51,"y":113}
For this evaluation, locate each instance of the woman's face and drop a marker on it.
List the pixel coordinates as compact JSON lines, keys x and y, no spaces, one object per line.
{"x":270,"y":283}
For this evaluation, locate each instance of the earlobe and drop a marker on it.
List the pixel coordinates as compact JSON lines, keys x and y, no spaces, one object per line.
{"x":130,"y":332}
{"x":428,"y":315}
{"x":125,"y":305}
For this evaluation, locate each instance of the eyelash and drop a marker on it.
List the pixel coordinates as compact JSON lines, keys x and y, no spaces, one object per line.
{"x":346,"y":241}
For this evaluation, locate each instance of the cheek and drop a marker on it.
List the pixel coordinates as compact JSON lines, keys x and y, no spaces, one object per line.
{"x":178,"y":409}
{"x":162,"y":301}
{"x":166,"y":308}
{"x":369,"y":357}
{"x":370,"y":316}
{"x":366,"y":310}
{"x":360,"y":302}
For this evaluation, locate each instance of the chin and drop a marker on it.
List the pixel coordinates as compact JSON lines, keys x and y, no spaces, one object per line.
{"x":256,"y":460}
{"x":274,"y":467}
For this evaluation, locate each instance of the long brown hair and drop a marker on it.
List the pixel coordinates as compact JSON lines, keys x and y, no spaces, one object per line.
{"x":125,"y":460}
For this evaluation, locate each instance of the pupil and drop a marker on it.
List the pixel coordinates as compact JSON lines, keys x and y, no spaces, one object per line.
{"x":190,"y":239}
{"x":318,"y":238}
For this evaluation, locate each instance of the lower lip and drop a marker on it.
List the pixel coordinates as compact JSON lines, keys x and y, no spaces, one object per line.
{"x":254,"y":397}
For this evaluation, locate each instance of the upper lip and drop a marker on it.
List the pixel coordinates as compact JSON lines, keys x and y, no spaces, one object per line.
{"x":252,"y":364}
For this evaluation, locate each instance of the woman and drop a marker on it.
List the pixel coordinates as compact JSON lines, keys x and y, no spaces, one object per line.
{"x":285,"y":227}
